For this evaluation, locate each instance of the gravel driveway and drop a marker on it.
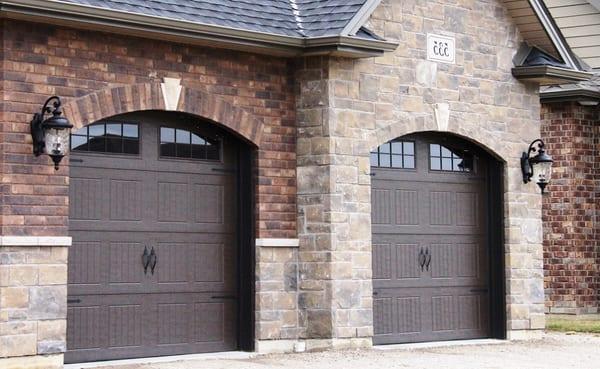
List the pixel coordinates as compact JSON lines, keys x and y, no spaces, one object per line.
{"x":555,"y":350}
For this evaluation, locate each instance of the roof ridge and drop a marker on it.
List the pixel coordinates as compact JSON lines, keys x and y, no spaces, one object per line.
{"x":297,"y":17}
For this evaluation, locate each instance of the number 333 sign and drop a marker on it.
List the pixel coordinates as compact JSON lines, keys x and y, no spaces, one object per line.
{"x":441,"y":48}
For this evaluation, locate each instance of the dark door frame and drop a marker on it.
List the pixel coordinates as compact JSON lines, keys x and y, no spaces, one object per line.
{"x":495,"y":225}
{"x":246,"y":256}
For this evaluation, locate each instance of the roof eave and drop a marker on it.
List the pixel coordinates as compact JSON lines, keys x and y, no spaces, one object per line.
{"x":581,"y":95}
{"x":69,"y":14}
{"x":549,"y":75}
{"x":349,"y":46}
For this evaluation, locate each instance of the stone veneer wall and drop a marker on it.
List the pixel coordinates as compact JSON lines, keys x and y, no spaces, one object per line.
{"x":571,"y":209}
{"x":33,"y":294}
{"x":347,"y":107}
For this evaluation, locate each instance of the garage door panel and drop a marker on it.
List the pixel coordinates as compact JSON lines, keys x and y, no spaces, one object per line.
{"x":399,"y":315}
{"x":193,"y":266}
{"x":126,"y":326}
{"x":149,"y":201}
{"x":183,"y":212}
{"x":429,"y":253}
{"x":459,"y":313}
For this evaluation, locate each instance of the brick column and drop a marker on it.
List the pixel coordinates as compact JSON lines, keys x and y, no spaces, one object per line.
{"x":571,"y":255}
{"x":33,"y":301}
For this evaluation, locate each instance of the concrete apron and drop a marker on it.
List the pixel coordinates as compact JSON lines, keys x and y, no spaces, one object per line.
{"x":232,"y":355}
{"x":238,"y":355}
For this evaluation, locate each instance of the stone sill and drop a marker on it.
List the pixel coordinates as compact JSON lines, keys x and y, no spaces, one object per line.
{"x":277,"y":242}
{"x":34,"y":241}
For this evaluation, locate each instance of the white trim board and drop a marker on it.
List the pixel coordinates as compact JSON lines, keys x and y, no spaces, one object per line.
{"x":35,"y":241}
{"x":233,"y":355}
{"x":277,"y":242}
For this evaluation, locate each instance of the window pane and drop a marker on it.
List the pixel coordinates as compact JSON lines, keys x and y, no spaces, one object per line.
{"x":79,"y":143}
{"x":385,"y":148}
{"x":167,"y":149}
{"x":212,"y":151}
{"x":130,"y":130}
{"x":434,"y":150}
{"x":396,"y":147}
{"x":446,"y":164}
{"x":167,"y":134}
{"x":96,"y":130}
{"x":113,"y":129}
{"x":182,"y":136}
{"x":198,"y":151}
{"x":435,"y":163}
{"x":409,"y":148}
{"x":446,"y":153}
{"x":409,"y":162}
{"x":455,"y":163}
{"x":81,"y":131}
{"x":197,"y":140}
{"x":374,"y":159}
{"x":184,"y":150}
{"x":384,"y":161}
{"x":397,"y":161}
{"x":114,"y":145}
{"x":97,"y":144}
{"x":131,"y":146}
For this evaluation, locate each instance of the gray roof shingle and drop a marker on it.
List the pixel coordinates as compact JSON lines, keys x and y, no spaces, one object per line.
{"x":296,"y":18}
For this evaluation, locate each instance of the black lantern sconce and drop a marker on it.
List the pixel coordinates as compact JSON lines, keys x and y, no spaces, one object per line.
{"x":51,"y":136}
{"x":538,"y":167}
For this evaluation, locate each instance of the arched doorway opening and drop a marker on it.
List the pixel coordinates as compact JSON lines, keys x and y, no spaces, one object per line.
{"x":437,"y":230}
{"x":161,"y":207}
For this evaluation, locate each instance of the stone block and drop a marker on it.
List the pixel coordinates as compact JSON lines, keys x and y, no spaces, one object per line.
{"x":52,"y":274}
{"x":14,"y":297}
{"x":33,"y":362}
{"x":22,"y":275}
{"x":319,"y":324}
{"x":48,"y":302}
{"x":51,"y":347}
{"x":18,"y":345}
{"x":52,"y":330}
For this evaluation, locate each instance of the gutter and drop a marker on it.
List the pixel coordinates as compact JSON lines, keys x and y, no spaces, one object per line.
{"x":64,"y":13}
{"x":547,"y":74}
{"x":580,"y":94}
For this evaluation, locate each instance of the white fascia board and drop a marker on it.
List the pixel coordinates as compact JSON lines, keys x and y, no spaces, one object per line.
{"x":553,"y":32}
{"x":360,"y":18}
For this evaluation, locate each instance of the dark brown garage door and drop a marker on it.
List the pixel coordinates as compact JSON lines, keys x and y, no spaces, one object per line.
{"x":152,"y":269}
{"x":430,"y":252}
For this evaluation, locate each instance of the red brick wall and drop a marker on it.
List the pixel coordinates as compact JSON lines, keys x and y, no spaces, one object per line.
{"x":570,"y":210}
{"x":42,"y":60}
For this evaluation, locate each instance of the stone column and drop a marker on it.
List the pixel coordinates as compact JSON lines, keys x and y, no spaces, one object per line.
{"x":33,"y":301}
{"x":334,"y":225}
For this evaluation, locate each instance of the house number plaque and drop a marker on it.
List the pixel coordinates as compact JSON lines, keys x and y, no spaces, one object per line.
{"x":441,"y":48}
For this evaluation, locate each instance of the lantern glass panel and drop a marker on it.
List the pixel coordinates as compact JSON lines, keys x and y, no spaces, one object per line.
{"x":57,"y":141}
{"x":542,"y":172}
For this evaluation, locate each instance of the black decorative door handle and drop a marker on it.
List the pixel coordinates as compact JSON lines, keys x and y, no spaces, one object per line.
{"x":153,"y":260}
{"x":145,"y":259}
{"x":427,"y":259}
{"x":422,"y":259}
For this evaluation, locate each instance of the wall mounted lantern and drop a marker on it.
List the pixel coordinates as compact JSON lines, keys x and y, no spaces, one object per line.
{"x":51,"y":136}
{"x":538,"y":167}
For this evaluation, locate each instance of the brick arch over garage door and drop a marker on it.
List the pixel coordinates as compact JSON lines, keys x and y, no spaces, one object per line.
{"x":130,"y":98}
